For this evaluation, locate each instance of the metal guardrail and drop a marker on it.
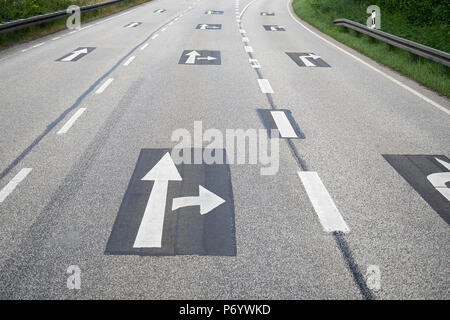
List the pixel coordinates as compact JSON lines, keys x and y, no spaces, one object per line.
{"x":23,"y":23}
{"x":407,"y":45}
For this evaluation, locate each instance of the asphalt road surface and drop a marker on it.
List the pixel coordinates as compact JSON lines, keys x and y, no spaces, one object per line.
{"x":358,"y":209}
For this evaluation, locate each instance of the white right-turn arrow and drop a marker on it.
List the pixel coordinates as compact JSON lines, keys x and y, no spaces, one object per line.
{"x":307,"y":62}
{"x":207,"y":201}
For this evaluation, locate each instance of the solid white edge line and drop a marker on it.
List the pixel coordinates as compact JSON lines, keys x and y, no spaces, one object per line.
{"x":265,"y":86}
{"x":71,"y":121}
{"x":418,"y":94}
{"x":129,"y":61}
{"x":323,"y":204}
{"x":104,"y":86}
{"x":283,"y":124}
{"x":245,"y":8}
{"x":6,"y":191}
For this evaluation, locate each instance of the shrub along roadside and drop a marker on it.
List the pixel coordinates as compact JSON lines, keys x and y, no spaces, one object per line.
{"x":322,"y":13}
{"x":19,"y":36}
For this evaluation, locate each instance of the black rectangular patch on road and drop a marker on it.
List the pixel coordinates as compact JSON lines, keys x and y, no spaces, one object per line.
{"x":204,"y":26}
{"x":197,"y":214}
{"x":429,"y":175}
{"x":303,"y":59}
{"x":213,"y":12}
{"x":274,"y":28}
{"x":267,"y":13}
{"x":202,"y":57}
{"x":76,"y":54}
{"x":282,"y":121}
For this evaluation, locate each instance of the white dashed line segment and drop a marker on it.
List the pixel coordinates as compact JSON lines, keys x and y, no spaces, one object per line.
{"x":104,"y":86}
{"x":6,"y":191}
{"x":265,"y":86}
{"x":329,"y":215}
{"x":71,"y":121}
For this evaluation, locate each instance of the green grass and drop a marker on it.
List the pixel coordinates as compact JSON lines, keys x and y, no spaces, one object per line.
{"x":434,"y":33}
{"x":23,"y":35}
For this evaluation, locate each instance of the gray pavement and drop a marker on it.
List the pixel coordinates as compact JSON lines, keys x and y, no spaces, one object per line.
{"x":64,"y":210}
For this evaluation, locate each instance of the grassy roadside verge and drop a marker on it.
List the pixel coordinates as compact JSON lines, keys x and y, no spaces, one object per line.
{"x":321,"y":13}
{"x":37,"y":31}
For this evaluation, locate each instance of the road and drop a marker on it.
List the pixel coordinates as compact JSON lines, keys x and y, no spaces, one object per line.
{"x":347,"y":215}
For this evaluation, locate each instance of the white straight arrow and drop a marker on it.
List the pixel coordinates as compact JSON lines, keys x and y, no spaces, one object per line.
{"x":307,"y":62}
{"x":207,"y":201}
{"x":192,"y":55}
{"x":75,"y":54}
{"x":150,"y":231}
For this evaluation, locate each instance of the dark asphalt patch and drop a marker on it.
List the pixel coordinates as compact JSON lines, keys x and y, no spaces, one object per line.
{"x":185,"y":230}
{"x":419,"y":171}
{"x":77,"y":54}
{"x":303,"y":59}
{"x":273,"y":28}
{"x":213,"y":12}
{"x":200,"y":57}
{"x":205,"y":26}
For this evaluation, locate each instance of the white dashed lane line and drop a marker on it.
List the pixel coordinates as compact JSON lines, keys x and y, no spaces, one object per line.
{"x":328,"y":213}
{"x":6,"y":191}
{"x":129,"y":61}
{"x":71,"y":121}
{"x":104,"y":86}
{"x":283,"y":124}
{"x":144,"y":46}
{"x":265,"y":86}
{"x":248,"y":49}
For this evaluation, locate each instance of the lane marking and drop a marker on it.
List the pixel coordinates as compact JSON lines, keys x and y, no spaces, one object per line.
{"x":433,"y":103}
{"x":254,"y":63}
{"x":144,"y":46}
{"x":155,"y":36}
{"x":151,"y":228}
{"x":283,"y":124}
{"x":71,"y":121}
{"x":265,"y":86}
{"x":5,"y":192}
{"x":38,"y":45}
{"x":242,"y":31}
{"x":326,"y":210}
{"x":104,"y":86}
{"x":248,"y":49}
{"x":57,"y":38}
{"x":129,"y":61}
{"x":163,"y":29}
{"x":245,"y":8}
{"x":245,"y":39}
